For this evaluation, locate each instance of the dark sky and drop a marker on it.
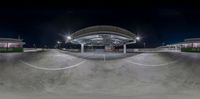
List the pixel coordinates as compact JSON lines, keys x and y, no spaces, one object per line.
{"x":155,"y":24}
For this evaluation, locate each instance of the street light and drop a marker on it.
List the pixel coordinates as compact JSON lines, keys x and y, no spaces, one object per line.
{"x":138,"y":38}
{"x":58,"y":42}
{"x":69,"y":37}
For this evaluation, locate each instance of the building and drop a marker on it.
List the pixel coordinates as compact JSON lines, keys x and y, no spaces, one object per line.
{"x":189,"y":45}
{"x":11,"y":45}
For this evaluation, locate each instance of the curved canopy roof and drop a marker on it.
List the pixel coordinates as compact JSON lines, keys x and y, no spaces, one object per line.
{"x":103,"y":29}
{"x":103,"y":35}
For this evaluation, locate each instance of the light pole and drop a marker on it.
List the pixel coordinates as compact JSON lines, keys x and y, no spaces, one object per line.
{"x":58,"y":42}
{"x":144,"y":44}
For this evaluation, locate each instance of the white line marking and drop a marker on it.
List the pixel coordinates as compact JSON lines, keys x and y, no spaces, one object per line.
{"x":52,"y":69}
{"x":164,"y":64}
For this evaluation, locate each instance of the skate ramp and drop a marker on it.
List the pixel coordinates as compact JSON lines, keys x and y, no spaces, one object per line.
{"x":136,"y":77}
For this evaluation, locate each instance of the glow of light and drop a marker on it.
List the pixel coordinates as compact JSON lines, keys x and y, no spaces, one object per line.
{"x":69,"y":37}
{"x":58,"y":42}
{"x":195,"y":45}
{"x":138,"y":38}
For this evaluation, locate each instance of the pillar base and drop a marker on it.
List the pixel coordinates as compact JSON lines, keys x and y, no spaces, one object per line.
{"x":124,"y":48}
{"x":82,"y":48}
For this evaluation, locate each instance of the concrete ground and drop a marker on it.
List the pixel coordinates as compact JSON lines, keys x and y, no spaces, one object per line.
{"x":54,"y":74}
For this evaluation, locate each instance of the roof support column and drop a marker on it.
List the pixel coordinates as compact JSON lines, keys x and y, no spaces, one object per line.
{"x":124,"y":48}
{"x":7,"y":46}
{"x":82,"y":48}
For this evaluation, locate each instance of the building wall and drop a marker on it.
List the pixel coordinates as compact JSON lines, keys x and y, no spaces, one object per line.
{"x":3,"y":45}
{"x":11,"y":47}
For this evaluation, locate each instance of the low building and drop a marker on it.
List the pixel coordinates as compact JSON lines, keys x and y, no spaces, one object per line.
{"x":189,"y":45}
{"x":11,"y":45}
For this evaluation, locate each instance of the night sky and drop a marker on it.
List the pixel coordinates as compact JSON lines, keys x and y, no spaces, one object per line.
{"x":45,"y":25}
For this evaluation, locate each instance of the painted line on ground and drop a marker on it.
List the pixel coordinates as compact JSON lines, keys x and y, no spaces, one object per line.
{"x":52,"y":69}
{"x":140,"y":64}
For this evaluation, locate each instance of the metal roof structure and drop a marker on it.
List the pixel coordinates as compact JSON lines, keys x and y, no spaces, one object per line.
{"x":192,"y":40}
{"x":189,"y":40}
{"x":103,"y":35}
{"x":11,"y":40}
